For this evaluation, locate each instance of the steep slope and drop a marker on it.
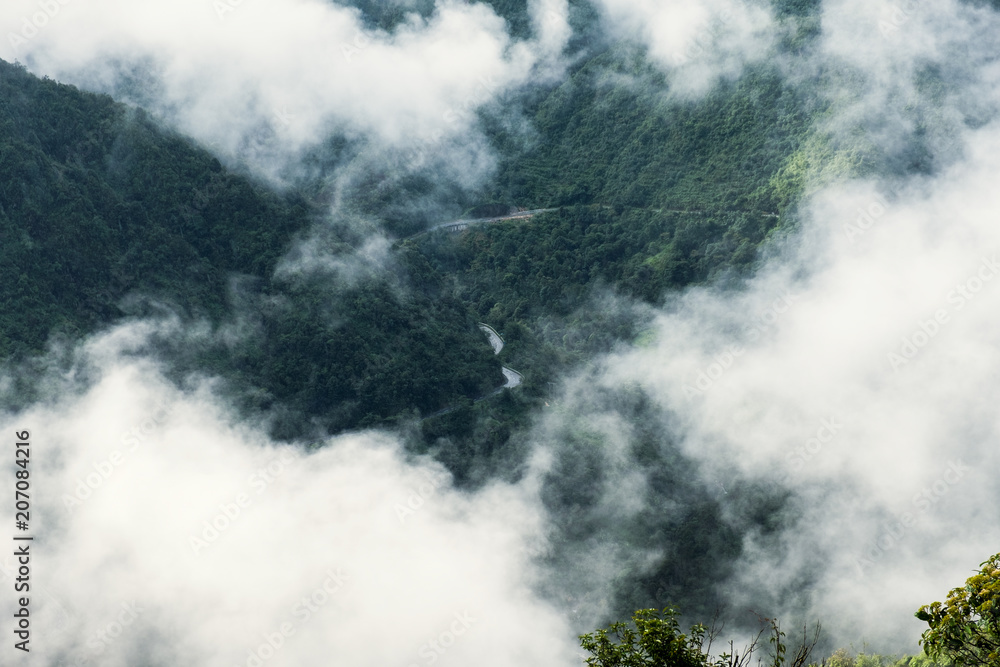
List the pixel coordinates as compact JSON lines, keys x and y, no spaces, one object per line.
{"x":103,"y":215}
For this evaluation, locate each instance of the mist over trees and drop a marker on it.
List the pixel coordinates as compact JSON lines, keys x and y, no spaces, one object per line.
{"x":300,"y":279}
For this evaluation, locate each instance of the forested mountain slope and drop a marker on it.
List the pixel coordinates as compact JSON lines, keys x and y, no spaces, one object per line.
{"x":99,"y":205}
{"x":104,"y":215}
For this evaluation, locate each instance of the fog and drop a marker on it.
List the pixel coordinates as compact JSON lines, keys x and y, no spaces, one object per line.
{"x":260,"y":81}
{"x":855,"y":370}
{"x":159,"y":499}
{"x":697,"y":42}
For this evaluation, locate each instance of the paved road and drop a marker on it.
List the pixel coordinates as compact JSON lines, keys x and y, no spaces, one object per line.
{"x":459,"y":225}
{"x":764,"y":214}
{"x":513,"y":378}
{"x":495,"y":340}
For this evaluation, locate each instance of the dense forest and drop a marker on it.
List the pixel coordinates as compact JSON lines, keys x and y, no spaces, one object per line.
{"x":112,"y":217}
{"x":153,"y":222}
{"x":108,"y":217}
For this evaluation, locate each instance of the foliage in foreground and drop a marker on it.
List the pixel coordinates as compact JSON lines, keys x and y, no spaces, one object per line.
{"x":845,"y":658}
{"x":654,"y":639}
{"x":966,"y":628}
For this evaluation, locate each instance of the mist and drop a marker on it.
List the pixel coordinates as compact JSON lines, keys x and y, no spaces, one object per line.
{"x":176,"y":533}
{"x":259,"y":82}
{"x":852,"y":375}
{"x":855,"y":370}
{"x":697,"y":43}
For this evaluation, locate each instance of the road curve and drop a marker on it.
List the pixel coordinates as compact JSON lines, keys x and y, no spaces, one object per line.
{"x":514,"y":378}
{"x":459,"y":225}
{"x":496,"y":341}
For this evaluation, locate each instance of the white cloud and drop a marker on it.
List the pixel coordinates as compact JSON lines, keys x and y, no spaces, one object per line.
{"x":263,"y":79}
{"x":550,"y":19}
{"x":859,"y":370}
{"x":859,"y":366}
{"x":901,"y":70}
{"x":211,"y":536}
{"x":696,"y":41}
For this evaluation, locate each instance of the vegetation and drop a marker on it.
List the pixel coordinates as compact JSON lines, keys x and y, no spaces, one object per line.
{"x":654,"y":640}
{"x":845,"y":658}
{"x":96,"y":203}
{"x":965,"y":629}
{"x":631,"y":146}
{"x":104,"y":216}
{"x":109,"y":217}
{"x":650,"y":196}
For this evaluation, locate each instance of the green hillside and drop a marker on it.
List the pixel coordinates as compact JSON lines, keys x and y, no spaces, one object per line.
{"x":103,"y":215}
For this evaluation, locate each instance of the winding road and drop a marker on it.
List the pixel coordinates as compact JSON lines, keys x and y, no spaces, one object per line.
{"x":460,"y":225}
{"x":465,"y":223}
{"x":513,"y":377}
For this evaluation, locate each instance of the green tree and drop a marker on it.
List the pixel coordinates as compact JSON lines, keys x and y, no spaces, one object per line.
{"x":654,"y":639}
{"x":966,"y":627}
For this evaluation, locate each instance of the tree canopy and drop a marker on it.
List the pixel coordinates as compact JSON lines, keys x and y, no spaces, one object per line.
{"x":654,"y":639}
{"x":965,"y":628}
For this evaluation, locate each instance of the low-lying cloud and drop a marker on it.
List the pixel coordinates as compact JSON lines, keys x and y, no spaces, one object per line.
{"x":857,"y":370}
{"x":261,"y":80}
{"x":168,"y":532}
{"x":697,"y":42}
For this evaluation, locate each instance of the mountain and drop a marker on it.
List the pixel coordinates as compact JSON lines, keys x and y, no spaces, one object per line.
{"x":737,"y":254}
{"x":104,"y":216}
